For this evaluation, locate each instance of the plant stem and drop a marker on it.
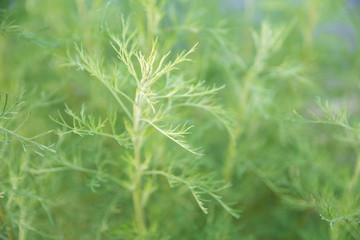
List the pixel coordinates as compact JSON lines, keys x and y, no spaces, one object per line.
{"x":312,"y":13}
{"x":355,"y":175}
{"x":137,"y":142}
{"x":243,"y":101}
{"x":9,"y":230}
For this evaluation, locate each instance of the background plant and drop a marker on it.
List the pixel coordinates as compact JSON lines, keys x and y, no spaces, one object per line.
{"x":19,"y":197}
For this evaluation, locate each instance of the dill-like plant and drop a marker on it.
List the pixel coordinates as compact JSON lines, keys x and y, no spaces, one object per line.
{"x":145,"y":150}
{"x":149,"y":105}
{"x":18,"y":195}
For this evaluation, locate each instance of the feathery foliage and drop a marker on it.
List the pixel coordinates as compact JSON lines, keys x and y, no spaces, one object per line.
{"x":149,"y":106}
{"x":259,"y":116}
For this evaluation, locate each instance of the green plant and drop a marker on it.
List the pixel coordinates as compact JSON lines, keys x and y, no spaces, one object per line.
{"x":18,"y":196}
{"x":149,"y":141}
{"x":154,"y":96}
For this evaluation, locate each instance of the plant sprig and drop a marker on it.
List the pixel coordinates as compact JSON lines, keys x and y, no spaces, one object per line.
{"x":7,"y":115}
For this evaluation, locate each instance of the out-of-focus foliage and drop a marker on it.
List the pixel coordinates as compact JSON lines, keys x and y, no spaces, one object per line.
{"x":112,"y":126}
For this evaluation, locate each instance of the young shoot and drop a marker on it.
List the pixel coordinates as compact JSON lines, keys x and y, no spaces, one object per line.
{"x":150,"y":106}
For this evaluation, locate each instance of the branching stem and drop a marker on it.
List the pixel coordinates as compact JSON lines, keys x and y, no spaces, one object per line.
{"x":137,"y":143}
{"x":243,"y":101}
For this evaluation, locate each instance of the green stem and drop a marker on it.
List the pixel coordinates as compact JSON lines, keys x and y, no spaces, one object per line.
{"x":243,"y":100}
{"x":355,"y":176}
{"x":312,"y":13}
{"x":9,"y":230}
{"x":137,"y":142}
{"x":230,"y":158}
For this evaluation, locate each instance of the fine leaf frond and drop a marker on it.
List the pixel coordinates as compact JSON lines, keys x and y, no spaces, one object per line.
{"x":176,"y":134}
{"x":87,"y":124}
{"x":209,"y":104}
{"x":27,"y":143}
{"x":94,"y":66}
{"x":7,"y":116}
{"x":161,"y":71}
{"x":179,"y":88}
{"x":199,"y":188}
{"x":329,"y":116}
